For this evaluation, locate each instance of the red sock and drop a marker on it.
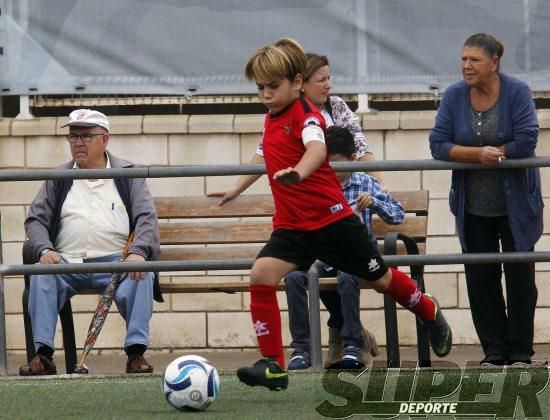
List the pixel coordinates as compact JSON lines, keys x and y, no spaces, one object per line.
{"x":266,"y":318}
{"x":404,"y":291}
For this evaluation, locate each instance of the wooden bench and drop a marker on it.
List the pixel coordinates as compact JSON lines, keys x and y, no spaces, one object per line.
{"x":196,"y":228}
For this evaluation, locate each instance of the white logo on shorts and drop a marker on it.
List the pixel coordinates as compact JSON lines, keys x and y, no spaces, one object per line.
{"x":373,"y":265}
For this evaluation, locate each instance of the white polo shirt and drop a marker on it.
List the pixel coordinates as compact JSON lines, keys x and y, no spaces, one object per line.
{"x":93,"y":221}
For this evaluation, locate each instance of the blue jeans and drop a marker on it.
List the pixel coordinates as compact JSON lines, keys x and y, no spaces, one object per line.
{"x":342,"y":304}
{"x":49,"y":292}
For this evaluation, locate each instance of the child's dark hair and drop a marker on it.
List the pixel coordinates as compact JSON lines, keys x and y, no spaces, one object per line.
{"x":488,"y":43}
{"x":339,"y":141}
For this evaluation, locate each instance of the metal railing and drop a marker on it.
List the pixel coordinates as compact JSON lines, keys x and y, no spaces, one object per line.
{"x":223,"y":170}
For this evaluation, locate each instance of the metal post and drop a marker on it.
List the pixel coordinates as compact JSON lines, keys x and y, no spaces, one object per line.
{"x":24,"y":109}
{"x":3,"y":343}
{"x":363,"y":104}
{"x":314,"y":318}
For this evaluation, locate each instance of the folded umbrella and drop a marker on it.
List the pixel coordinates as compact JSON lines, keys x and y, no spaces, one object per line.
{"x":102,"y":310}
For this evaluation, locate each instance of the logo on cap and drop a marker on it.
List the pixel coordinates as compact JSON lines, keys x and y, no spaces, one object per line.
{"x":80,"y":116}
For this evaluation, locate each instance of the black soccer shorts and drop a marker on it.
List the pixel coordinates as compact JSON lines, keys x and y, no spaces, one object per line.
{"x":344,"y":244}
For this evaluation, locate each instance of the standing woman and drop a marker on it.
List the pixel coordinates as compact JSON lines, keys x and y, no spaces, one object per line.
{"x":485,"y":118}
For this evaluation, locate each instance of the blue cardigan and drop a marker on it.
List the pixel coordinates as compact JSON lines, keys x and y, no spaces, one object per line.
{"x":518,"y":129}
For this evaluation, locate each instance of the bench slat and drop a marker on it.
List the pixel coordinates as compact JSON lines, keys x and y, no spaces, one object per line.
{"x":259,"y":231}
{"x":238,"y":252}
{"x":257,"y":205}
{"x":215,"y":233}
{"x":413,"y":201}
{"x":196,"y":207}
{"x":416,"y":227}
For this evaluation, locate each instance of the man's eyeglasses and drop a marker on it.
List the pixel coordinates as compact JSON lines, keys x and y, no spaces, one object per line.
{"x":86,"y":137}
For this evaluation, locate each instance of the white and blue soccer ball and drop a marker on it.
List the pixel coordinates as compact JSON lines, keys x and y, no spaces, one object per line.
{"x":191,"y":383}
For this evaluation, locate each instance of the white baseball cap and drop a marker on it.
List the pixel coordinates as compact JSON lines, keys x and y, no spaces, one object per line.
{"x":87,"y":118}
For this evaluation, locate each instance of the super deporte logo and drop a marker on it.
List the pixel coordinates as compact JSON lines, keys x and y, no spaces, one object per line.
{"x":449,"y":392}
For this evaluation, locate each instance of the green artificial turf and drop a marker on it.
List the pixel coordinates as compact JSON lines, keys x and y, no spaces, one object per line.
{"x":141,"y":397}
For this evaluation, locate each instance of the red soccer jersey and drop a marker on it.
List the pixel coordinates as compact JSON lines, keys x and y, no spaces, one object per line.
{"x":314,"y":202}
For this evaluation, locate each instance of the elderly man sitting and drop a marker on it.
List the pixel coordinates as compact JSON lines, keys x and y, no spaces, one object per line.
{"x":89,"y":221}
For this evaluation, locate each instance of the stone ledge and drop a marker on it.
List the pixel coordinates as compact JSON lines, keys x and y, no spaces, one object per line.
{"x":211,"y":123}
{"x":12,"y":152}
{"x":178,"y":330}
{"x":5,"y":125}
{"x":15,"y":333}
{"x":543,"y":116}
{"x":248,"y":123}
{"x":412,"y":120}
{"x":57,"y":151}
{"x":166,"y":124}
{"x":386,"y":120}
{"x":13,"y":218}
{"x":42,"y":126}
{"x":125,"y":124}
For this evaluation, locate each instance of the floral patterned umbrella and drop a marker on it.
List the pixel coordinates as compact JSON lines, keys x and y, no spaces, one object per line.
{"x":101,"y":311}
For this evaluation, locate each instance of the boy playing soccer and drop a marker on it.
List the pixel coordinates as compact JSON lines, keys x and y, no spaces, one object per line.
{"x":312,"y":218}
{"x":343,"y":305}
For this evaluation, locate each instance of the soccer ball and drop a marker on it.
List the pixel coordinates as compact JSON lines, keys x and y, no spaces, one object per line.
{"x":190,"y":383}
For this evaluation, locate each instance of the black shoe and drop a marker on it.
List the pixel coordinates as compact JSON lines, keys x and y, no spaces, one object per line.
{"x":265,"y":372}
{"x":353,"y":359}
{"x":441,"y":336}
{"x":524,"y":360}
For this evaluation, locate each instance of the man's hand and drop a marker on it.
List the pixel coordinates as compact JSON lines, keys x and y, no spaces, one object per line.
{"x":135,"y":258}
{"x":364,"y":200}
{"x":490,"y":156}
{"x":50,"y":257}
{"x":287,"y":176}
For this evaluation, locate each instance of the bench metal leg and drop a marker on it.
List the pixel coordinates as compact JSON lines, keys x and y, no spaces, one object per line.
{"x":69,"y":343}
{"x":29,"y":341}
{"x":392,"y":332}
{"x":314,"y":318}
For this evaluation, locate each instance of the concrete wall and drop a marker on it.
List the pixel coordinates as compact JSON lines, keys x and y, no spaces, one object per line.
{"x":219,"y":320}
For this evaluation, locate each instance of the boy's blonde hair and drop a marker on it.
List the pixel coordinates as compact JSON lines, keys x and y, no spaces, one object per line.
{"x":284,"y":58}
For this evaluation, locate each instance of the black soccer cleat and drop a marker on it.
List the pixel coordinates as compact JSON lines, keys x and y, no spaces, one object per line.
{"x":439,"y":331}
{"x":265,"y":372}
